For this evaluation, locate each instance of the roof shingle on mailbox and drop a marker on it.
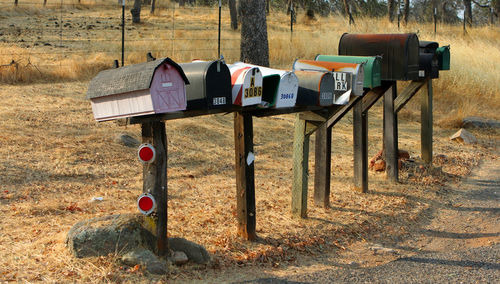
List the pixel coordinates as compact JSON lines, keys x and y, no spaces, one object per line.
{"x":139,"y":89}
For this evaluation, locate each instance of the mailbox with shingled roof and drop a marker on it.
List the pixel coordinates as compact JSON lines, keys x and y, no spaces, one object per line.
{"x":140,"y":89}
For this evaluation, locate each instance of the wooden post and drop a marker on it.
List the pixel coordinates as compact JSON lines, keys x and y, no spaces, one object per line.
{"x":391,"y":134}
{"x":322,"y":170}
{"x":300,"y":168}
{"x":360,"y":141}
{"x":244,"y":166}
{"x":155,"y":183}
{"x":426,"y":124}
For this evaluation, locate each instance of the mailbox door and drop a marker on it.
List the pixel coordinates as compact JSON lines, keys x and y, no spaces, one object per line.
{"x":315,"y":88}
{"x":443,"y":54}
{"x":218,"y":85}
{"x":428,"y":66}
{"x":342,"y":88}
{"x":287,"y":91}
{"x":400,"y":52}
{"x":372,"y":67}
{"x":246,"y":85}
{"x":168,"y":90}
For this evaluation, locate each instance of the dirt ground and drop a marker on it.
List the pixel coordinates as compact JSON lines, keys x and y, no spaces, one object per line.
{"x":57,"y":158}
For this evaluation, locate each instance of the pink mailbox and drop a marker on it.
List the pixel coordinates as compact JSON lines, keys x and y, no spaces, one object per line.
{"x":140,"y":89}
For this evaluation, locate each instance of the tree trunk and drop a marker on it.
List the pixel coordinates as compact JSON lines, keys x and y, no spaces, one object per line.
{"x":182,"y":3}
{"x":346,"y":7}
{"x":254,"y":45}
{"x":496,"y":11}
{"x":468,"y":12}
{"x":406,"y":12}
{"x":391,"y":8}
{"x":268,"y":6}
{"x":136,"y":12}
{"x":153,"y":4}
{"x":15,"y":2}
{"x":233,"y":14}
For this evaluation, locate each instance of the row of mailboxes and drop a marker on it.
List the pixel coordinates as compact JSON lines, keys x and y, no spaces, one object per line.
{"x":164,"y":86}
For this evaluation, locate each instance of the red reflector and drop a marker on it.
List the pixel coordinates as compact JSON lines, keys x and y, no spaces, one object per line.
{"x":146,"y":203}
{"x":146,"y":153}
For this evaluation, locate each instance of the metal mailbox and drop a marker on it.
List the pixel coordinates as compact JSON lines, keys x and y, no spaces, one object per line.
{"x":246,"y":84}
{"x":428,"y":66}
{"x":399,"y":52}
{"x":357,"y":71}
{"x":443,"y":55}
{"x":140,"y":89}
{"x":279,"y":93}
{"x":315,"y":88}
{"x":372,"y":67}
{"x":428,"y":46}
{"x":210,"y":85}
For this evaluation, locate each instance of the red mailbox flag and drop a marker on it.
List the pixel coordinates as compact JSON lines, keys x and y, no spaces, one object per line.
{"x":146,"y":203}
{"x":146,"y":153}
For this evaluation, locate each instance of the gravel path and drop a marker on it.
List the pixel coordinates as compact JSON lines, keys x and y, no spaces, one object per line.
{"x":464,"y":240}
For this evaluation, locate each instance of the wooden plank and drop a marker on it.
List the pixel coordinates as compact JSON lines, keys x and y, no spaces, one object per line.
{"x":311,"y":116}
{"x":370,"y":98}
{"x":342,"y":111}
{"x":300,"y":168}
{"x":160,"y":191}
{"x":407,"y":94}
{"x":360,"y":144}
{"x":426,"y":118}
{"x":322,"y":169}
{"x":391,"y":134}
{"x":245,"y":184}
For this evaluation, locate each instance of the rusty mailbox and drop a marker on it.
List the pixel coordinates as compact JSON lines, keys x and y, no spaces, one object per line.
{"x":246,"y":84}
{"x":140,"y":89}
{"x":399,"y":52}
{"x":210,"y":85}
{"x":372,"y":66}
{"x":280,"y":86}
{"x":343,"y":81}
{"x":315,"y":88}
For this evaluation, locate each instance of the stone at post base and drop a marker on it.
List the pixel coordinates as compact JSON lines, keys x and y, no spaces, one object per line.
{"x":464,"y":136}
{"x":194,"y":252}
{"x":115,"y":234}
{"x":146,"y":259}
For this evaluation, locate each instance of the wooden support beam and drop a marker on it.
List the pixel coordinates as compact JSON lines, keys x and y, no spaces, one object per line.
{"x":391,"y":134}
{"x":370,"y":98}
{"x":245,"y":184}
{"x":343,"y":110}
{"x":408,"y":93}
{"x":360,"y":141}
{"x":322,"y":169}
{"x":426,"y":118}
{"x":300,"y":168}
{"x":155,"y":175}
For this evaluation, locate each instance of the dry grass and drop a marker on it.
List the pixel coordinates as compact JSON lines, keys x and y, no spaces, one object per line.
{"x":56,"y":158}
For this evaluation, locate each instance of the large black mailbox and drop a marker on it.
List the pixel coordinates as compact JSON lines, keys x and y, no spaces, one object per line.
{"x":315,"y":88}
{"x":210,"y":85}
{"x":400,"y":52}
{"x":428,"y":60}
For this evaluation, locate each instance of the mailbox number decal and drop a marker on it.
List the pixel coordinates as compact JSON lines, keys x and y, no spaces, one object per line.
{"x":219,"y":101}
{"x":287,"y":96}
{"x":340,"y":81}
{"x":326,"y":95}
{"x":253,"y":91}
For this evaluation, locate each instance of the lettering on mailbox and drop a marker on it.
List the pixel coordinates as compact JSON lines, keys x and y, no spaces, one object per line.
{"x":217,"y":101}
{"x":326,"y":96}
{"x":253,"y":91}
{"x":340,"y":81}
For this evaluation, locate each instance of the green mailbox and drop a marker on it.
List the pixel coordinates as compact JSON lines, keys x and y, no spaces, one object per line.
{"x":443,"y":55}
{"x":372,"y":66}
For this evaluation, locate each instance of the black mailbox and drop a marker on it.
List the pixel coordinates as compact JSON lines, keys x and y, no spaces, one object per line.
{"x":210,"y":85}
{"x":315,"y":88}
{"x":428,"y":66}
{"x":400,"y":60}
{"x":428,"y":46}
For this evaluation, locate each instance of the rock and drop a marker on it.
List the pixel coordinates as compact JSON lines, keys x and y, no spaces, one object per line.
{"x":479,"y":122}
{"x":115,"y":234}
{"x":464,"y":136}
{"x":378,"y":249}
{"x":194,"y":252}
{"x":379,"y":166}
{"x":146,"y":259}
{"x":127,"y":140}
{"x":179,"y":258}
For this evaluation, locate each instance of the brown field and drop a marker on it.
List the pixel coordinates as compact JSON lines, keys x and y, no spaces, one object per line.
{"x":56,"y":157}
